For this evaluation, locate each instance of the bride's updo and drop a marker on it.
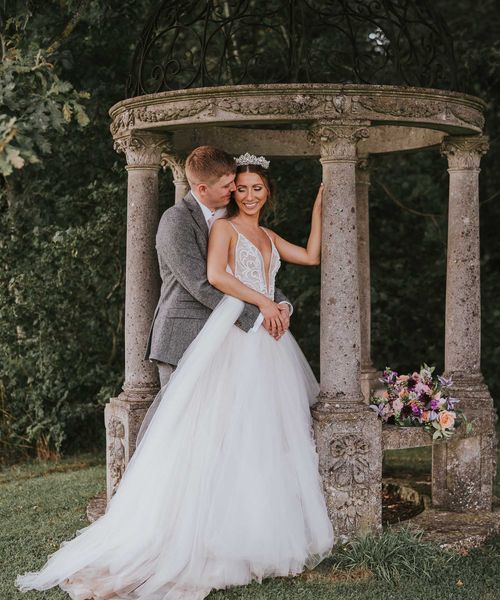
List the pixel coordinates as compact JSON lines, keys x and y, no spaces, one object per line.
{"x":232,"y":207}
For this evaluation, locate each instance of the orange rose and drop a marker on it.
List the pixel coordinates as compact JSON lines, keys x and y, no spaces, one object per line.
{"x":447,"y":419}
{"x":425,"y":416}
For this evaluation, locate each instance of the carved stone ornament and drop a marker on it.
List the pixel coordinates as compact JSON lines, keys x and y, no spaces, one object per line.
{"x":176,"y":164}
{"x":116,"y":452}
{"x":350,"y":463}
{"x":142,"y":149}
{"x":298,"y":104}
{"x":337,"y":141}
{"x":395,"y":107}
{"x":349,"y":506}
{"x":464,"y":152}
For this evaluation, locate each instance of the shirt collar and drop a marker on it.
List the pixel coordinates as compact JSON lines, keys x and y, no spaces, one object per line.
{"x":207,"y":213}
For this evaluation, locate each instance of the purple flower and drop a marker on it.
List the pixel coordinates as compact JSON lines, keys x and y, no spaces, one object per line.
{"x":434,"y":404}
{"x":378,"y":408}
{"x":416,"y":410}
{"x":445,"y":381}
{"x":433,"y":415}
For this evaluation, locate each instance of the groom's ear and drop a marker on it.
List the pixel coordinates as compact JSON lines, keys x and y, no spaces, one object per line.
{"x":201,"y":188}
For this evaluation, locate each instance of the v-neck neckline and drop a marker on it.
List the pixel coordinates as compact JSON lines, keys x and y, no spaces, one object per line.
{"x":267,"y":280}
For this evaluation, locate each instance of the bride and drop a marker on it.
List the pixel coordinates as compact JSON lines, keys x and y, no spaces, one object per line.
{"x":223,"y":487}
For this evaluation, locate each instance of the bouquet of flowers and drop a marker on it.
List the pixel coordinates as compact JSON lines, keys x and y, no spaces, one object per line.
{"x":420,"y":400}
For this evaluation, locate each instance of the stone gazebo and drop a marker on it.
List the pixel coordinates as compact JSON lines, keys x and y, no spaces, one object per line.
{"x":342,"y":125}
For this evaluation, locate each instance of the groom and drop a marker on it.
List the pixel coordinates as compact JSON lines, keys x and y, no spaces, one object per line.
{"x":186,"y":297}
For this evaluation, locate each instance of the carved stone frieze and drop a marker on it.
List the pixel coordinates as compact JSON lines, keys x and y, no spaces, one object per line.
{"x":116,"y":452}
{"x":126,"y":120}
{"x":123,"y":122}
{"x":450,"y":112}
{"x":397,"y":108}
{"x":337,"y":141}
{"x":465,"y":114}
{"x":464,"y":152}
{"x":142,"y":149}
{"x":298,"y":104}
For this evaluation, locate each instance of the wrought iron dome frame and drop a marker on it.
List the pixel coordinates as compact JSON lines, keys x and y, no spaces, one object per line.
{"x":199,"y":43}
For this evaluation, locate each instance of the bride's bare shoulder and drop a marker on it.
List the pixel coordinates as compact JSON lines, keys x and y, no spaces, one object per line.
{"x":222,"y":228}
{"x":270,"y":233}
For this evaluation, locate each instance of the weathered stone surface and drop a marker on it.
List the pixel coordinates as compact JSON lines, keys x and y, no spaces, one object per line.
{"x":294,"y":142}
{"x":123,"y":417}
{"x":369,"y":375}
{"x":459,"y":532}
{"x":97,"y":506}
{"x":463,"y":468}
{"x":395,"y":437}
{"x":451,"y":112}
{"x":350,"y":463}
{"x":463,"y":304}
{"x":340,"y":313}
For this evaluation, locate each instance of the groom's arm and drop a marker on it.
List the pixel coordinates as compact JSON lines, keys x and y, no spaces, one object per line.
{"x":177,"y":247}
{"x":279,"y":298}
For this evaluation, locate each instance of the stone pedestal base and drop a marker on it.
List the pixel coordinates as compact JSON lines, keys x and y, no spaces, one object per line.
{"x":369,"y":380}
{"x":349,"y":443}
{"x":463,"y":468}
{"x":123,"y":417}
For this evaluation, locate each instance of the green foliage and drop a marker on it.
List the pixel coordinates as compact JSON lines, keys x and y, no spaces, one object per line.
{"x":393,"y":555}
{"x":33,"y":100}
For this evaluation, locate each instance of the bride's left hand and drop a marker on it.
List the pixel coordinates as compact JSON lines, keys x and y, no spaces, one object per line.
{"x":319,"y":198}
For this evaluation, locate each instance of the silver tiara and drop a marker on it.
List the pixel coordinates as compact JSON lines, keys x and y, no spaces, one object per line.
{"x":251,"y":159}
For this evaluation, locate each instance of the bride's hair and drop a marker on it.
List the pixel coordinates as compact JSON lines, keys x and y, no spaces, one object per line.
{"x":232,"y":207}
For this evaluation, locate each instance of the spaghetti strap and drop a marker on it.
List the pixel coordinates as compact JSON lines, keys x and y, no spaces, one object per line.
{"x":265,"y":231}
{"x":233,"y":226}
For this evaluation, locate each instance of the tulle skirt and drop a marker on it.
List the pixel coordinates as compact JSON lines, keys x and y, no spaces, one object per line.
{"x":222,"y":489}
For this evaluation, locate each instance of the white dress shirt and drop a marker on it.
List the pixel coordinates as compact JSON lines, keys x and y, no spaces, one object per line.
{"x":212,"y":216}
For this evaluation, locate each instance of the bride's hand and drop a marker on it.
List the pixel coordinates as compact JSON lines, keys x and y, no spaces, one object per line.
{"x":274,"y":320}
{"x":319,"y":198}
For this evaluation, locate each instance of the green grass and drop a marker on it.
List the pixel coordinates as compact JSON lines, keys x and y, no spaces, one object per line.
{"x":42,"y":504}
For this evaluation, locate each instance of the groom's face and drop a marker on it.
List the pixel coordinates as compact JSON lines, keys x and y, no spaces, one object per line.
{"x":217,"y":194}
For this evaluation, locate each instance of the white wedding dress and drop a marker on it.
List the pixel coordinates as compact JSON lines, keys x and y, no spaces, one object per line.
{"x":223,"y":488}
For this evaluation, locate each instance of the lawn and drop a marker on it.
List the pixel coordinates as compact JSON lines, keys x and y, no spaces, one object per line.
{"x":43,"y":503}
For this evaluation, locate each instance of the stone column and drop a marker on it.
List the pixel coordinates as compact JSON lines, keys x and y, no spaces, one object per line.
{"x":369,"y":375}
{"x":463,"y":468}
{"x":177,"y":165}
{"x":124,"y":414}
{"x":348,"y":433}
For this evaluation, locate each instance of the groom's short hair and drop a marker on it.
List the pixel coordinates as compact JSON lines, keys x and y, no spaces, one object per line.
{"x":207,"y":164}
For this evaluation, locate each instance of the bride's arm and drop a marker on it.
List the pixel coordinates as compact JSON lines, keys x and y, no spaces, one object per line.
{"x":217,"y":260}
{"x":311,"y":254}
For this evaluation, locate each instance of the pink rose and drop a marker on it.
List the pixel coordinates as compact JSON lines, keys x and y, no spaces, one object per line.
{"x":447,"y":419}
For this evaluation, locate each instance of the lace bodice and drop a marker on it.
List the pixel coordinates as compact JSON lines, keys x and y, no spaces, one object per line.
{"x":249,"y":265}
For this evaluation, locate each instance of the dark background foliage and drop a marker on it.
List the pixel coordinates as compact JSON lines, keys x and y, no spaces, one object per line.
{"x":63,"y":222}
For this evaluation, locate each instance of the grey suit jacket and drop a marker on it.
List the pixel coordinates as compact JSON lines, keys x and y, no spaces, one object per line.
{"x":186,"y":297}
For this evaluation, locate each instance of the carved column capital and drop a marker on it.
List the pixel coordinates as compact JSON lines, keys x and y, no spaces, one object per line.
{"x":142,"y":149}
{"x":338,"y":140}
{"x":464,"y":152}
{"x":176,"y":164}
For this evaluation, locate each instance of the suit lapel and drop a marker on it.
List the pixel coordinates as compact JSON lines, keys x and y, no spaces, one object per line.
{"x":196,"y":212}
